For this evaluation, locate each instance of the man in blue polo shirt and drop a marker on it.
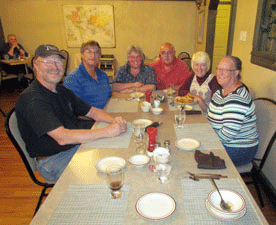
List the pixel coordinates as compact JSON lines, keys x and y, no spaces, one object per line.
{"x":87,"y":81}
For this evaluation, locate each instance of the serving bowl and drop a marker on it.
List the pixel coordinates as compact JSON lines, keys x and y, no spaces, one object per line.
{"x":157,"y":111}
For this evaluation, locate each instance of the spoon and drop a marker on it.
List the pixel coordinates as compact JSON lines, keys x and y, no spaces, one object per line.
{"x":224,"y":205}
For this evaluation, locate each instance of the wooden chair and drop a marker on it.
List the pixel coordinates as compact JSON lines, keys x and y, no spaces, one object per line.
{"x":15,"y":137}
{"x":185,"y":56}
{"x":4,"y":76}
{"x":66,"y":55}
{"x":266,"y":122}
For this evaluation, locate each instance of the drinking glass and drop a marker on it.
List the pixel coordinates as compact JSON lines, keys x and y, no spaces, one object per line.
{"x":141,"y":148}
{"x":180,"y":117}
{"x":115,"y":180}
{"x":163,"y":167}
{"x":138,"y":130}
{"x":171,"y":91}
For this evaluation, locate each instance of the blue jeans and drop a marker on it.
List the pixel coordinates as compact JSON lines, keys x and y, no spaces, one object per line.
{"x":52,"y":167}
{"x":241,"y":156}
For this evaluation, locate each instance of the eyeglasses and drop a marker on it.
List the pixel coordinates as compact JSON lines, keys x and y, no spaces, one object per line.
{"x":166,"y":53}
{"x":224,"y":70}
{"x":135,"y":57}
{"x":51,"y":63}
{"x":89,"y":51}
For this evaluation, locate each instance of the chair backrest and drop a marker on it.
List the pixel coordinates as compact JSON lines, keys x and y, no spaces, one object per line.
{"x":66,"y":55}
{"x":15,"y":137}
{"x":185,"y":56}
{"x":266,"y":123}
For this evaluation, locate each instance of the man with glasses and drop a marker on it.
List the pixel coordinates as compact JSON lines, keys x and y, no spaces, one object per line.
{"x":13,"y":50}
{"x":47,"y":115}
{"x":169,"y":70}
{"x":87,"y":81}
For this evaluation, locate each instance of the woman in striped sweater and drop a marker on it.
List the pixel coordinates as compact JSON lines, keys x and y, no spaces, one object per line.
{"x":232,"y":115}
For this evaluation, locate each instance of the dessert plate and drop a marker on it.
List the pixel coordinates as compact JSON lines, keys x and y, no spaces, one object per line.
{"x":155,"y":206}
{"x":137,"y":95}
{"x":139,"y":160}
{"x":145,"y":121}
{"x":187,"y":144}
{"x":104,"y":163}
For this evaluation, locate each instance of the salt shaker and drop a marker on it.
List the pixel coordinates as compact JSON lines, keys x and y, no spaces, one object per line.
{"x":167,"y":144}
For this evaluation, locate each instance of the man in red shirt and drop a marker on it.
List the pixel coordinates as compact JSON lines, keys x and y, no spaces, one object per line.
{"x":169,"y":70}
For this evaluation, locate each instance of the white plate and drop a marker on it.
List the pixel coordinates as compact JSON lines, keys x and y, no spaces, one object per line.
{"x":223,"y":216}
{"x":188,"y":107}
{"x":137,"y":94}
{"x":155,"y":206}
{"x":167,"y":90}
{"x":187,"y":144}
{"x":104,"y":163}
{"x":139,"y":160}
{"x":145,"y":121}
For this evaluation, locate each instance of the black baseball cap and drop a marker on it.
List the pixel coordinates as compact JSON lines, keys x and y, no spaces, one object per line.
{"x":47,"y":50}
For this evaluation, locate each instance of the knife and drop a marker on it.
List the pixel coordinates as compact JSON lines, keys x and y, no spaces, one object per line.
{"x":198,"y":177}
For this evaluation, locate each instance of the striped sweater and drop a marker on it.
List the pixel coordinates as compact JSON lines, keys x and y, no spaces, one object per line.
{"x":233,"y":118}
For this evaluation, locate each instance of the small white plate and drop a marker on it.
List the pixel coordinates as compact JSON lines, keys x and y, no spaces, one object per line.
{"x":223,"y":216}
{"x":171,"y":90}
{"x":156,"y":111}
{"x":187,"y":107}
{"x":139,"y":160}
{"x":137,"y":94}
{"x":145,"y":121}
{"x":187,"y":144}
{"x":155,"y":206}
{"x":104,"y":163}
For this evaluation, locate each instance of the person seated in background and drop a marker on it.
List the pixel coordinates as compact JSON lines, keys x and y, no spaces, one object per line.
{"x":47,"y":115}
{"x":202,"y":84}
{"x":13,"y":50}
{"x":170,"y":71}
{"x":87,"y":81}
{"x":135,"y":75}
{"x":231,"y":113}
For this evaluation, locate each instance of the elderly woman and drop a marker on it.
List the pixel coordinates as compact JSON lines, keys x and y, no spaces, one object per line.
{"x":202,"y":84}
{"x":232,"y":115}
{"x":135,"y":75}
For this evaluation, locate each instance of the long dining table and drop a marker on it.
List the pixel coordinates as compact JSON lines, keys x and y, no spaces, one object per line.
{"x":81,"y":196}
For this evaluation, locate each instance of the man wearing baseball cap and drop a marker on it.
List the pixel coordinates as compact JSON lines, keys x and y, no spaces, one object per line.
{"x":47,"y":115}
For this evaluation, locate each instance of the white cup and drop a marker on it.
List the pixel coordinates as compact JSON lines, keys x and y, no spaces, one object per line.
{"x":156,"y":103}
{"x":145,"y":106}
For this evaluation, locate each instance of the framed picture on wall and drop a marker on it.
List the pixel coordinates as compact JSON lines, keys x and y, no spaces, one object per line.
{"x":89,"y":22}
{"x":264,"y":43}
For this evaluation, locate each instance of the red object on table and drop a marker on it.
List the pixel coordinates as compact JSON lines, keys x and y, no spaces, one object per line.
{"x":148,"y":94}
{"x":152,"y":133}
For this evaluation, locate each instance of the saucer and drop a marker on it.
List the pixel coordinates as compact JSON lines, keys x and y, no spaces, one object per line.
{"x":187,"y":144}
{"x":139,"y":160}
{"x":155,"y":206}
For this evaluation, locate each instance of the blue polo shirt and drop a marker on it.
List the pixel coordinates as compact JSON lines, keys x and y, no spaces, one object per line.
{"x":94,"y":92}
